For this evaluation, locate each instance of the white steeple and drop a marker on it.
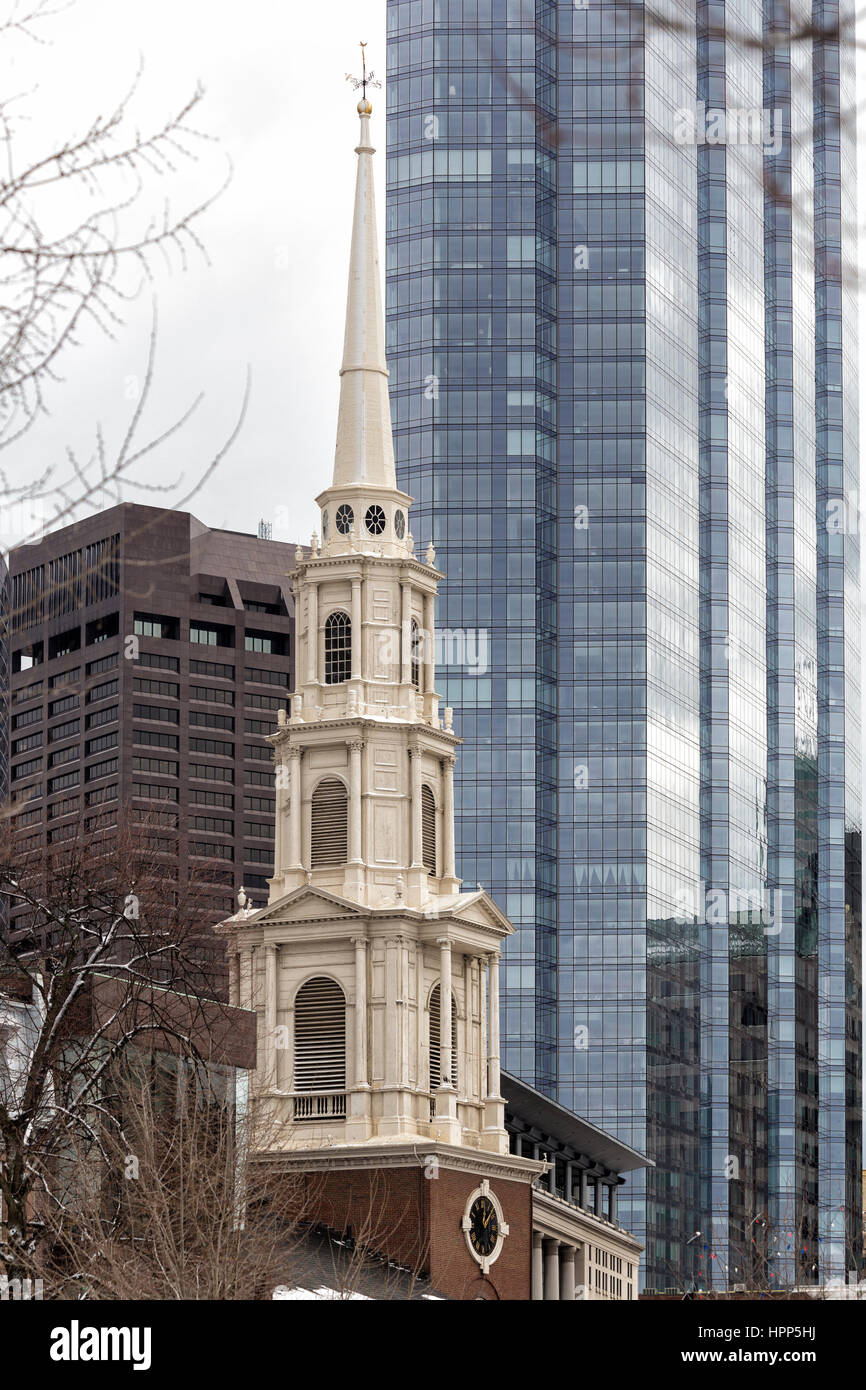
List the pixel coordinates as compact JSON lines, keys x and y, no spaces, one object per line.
{"x":365,"y":452}
{"x":363,"y":509}
{"x":365,"y":908}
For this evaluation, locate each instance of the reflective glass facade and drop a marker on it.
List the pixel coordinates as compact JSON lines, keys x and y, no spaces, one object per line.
{"x":622,"y":377}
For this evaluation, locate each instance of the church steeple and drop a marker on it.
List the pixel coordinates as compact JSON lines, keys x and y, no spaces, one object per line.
{"x":363,"y":509}
{"x":364,"y":452}
{"x":365,"y":707}
{"x":365,"y":901}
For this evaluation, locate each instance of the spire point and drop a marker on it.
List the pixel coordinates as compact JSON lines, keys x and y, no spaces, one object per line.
{"x":367,"y":79}
{"x":365,"y":450}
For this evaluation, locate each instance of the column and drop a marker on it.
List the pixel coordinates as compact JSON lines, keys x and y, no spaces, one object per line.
{"x":417,"y":850}
{"x":582,"y":1199}
{"x":313,"y":632}
{"x":283,"y":811}
{"x":422,"y":1056}
{"x":234,"y":978}
{"x":569,"y":1181}
{"x":245,"y":978}
{"x":391,"y":963}
{"x":551,"y":1174}
{"x":448,"y":870}
{"x":537,"y":1269}
{"x":405,"y":633}
{"x":355,"y":748}
{"x":270,"y":1068}
{"x":582,"y":1289}
{"x":611,"y":1202}
{"x":566,"y":1273}
{"x":360,"y":944}
{"x":599,"y":1197}
{"x":493,"y":1029}
{"x":482,"y":1060}
{"x":469,"y":1034}
{"x":294,"y":757}
{"x":428,"y":679}
{"x":356,"y":629}
{"x":403,"y":1010}
{"x":396,"y":1117}
{"x":285,"y":1053}
{"x":445,"y":1011}
{"x":551,"y":1270}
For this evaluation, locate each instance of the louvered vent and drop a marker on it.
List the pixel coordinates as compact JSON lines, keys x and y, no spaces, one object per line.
{"x":435,"y":1036}
{"x":320,"y":1036}
{"x":428,"y":830}
{"x":329,"y":824}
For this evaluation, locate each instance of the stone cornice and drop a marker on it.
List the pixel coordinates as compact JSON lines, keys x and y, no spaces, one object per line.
{"x":330,"y":930}
{"x":415,"y":728}
{"x":410,"y":563}
{"x":404,"y":1153}
{"x":553,"y":1216}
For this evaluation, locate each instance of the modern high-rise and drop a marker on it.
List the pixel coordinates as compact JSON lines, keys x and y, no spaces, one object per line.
{"x":622,"y":340}
{"x":149,"y":656}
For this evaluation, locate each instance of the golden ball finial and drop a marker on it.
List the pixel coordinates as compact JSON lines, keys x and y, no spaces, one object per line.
{"x":365,"y":107}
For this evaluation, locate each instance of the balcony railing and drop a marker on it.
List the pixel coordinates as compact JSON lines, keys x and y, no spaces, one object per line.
{"x":319,"y":1105}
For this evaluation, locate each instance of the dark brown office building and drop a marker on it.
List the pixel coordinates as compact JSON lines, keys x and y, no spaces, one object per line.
{"x":149,"y":655}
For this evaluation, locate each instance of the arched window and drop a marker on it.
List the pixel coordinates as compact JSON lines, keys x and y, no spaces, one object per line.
{"x":338,"y":648}
{"x":428,"y":830}
{"x":320,"y":1036}
{"x":415,"y":650}
{"x":435,"y":1039}
{"x":329,"y":824}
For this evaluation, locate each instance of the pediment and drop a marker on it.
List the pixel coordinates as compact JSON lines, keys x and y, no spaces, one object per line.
{"x":306,"y":902}
{"x":480,"y":910}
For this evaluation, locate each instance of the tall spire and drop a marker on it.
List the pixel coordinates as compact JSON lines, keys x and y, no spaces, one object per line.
{"x":365,"y":450}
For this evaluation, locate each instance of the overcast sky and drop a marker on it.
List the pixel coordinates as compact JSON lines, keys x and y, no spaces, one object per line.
{"x":272,"y":297}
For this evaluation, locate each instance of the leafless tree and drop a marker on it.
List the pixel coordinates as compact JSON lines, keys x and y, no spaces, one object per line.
{"x":127,"y":1167}
{"x":169,"y":1208}
{"x":82,"y":232}
{"x":98,"y":966}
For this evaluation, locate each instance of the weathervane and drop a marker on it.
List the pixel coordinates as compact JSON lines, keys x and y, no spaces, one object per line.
{"x":367,"y":79}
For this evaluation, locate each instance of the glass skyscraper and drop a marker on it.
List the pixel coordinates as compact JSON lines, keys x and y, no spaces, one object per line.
{"x":622,"y":342}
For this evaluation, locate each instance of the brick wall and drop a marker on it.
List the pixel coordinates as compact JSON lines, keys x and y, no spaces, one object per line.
{"x":416,"y":1221}
{"x":452,"y":1268}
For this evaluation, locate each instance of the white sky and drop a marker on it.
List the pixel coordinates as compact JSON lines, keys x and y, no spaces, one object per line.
{"x":272,"y":297}
{"x":278,"y":239}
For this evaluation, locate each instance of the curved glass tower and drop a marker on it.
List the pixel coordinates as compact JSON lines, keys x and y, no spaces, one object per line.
{"x":622,"y":341}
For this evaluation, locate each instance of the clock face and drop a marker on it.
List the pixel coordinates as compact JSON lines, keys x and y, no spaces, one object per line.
{"x":483,"y":1227}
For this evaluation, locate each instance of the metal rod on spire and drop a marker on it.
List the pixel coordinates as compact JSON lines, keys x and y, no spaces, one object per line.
{"x":367,"y":79}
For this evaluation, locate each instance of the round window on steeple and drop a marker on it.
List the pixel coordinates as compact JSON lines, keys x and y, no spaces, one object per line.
{"x":325,"y":526}
{"x":399,"y":525}
{"x":375,"y":520}
{"x":344,"y":519}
